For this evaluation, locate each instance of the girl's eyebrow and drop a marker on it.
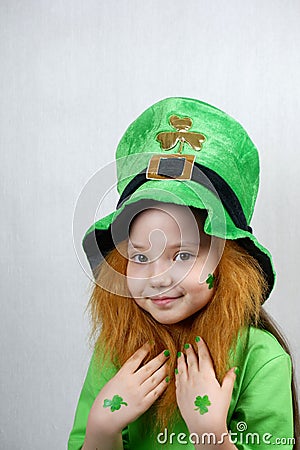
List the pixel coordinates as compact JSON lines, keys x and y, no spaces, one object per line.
{"x":175,"y":245}
{"x":184,"y":244}
{"x":131,"y":244}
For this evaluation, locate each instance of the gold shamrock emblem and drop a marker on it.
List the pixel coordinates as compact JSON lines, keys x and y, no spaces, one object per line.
{"x":182,"y":125}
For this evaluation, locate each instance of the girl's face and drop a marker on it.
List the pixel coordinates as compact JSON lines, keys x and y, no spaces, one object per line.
{"x":166,"y":256}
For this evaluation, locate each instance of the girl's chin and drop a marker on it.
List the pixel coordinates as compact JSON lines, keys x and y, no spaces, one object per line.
{"x":185,"y":320}
{"x":171,"y":320}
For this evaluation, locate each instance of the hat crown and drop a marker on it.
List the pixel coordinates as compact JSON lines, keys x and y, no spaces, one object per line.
{"x":192,"y":127}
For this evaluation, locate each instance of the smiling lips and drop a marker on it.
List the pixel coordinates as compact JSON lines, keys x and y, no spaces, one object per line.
{"x":163,"y":300}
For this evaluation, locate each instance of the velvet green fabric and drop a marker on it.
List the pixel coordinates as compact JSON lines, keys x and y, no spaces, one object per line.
{"x":264,"y":369}
{"x":227,"y":150}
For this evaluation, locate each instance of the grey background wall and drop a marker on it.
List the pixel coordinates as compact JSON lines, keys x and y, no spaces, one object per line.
{"x":74,"y":74}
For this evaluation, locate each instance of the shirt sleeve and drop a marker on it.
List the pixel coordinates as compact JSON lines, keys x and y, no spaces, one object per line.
{"x":263,"y":417}
{"x":97,"y":376}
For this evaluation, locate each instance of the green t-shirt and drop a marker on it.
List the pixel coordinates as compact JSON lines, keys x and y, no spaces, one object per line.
{"x":260,"y":413}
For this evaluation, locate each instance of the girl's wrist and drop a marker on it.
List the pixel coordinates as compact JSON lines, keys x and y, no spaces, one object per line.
{"x":102,"y":438}
{"x":218,"y":433}
{"x":98,"y":428}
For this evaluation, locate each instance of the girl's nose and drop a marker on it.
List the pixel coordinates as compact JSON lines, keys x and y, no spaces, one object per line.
{"x":160,"y":275}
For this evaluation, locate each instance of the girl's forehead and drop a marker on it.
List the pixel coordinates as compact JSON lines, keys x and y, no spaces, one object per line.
{"x":173,"y":220}
{"x":173,"y":211}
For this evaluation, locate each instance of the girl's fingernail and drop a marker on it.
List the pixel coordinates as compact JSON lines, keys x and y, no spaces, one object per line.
{"x":167,"y":379}
{"x":197,"y":339}
{"x":178,"y":354}
{"x":166,"y":353}
{"x":236,"y":370}
{"x":151,"y":342}
{"x":186,"y":345}
{"x":176,"y":371}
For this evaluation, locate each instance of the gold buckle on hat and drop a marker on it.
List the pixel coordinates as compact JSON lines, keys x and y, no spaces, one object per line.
{"x":170,"y":167}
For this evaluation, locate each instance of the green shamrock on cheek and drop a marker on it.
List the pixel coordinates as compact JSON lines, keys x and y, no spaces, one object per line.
{"x":210,"y":280}
{"x":202,"y":403}
{"x":114,"y":404}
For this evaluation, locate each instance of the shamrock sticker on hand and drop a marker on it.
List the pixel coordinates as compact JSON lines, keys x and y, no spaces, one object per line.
{"x":202,"y":403}
{"x":114,"y":404}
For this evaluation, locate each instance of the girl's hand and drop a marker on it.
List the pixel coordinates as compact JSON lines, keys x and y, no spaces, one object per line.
{"x":202,"y":401}
{"x":128,"y":394}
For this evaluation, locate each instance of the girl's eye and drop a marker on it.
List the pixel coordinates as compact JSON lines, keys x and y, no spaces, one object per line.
{"x":183,"y":256}
{"x":140,"y":258}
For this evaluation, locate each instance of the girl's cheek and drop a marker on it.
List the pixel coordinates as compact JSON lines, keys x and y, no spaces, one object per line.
{"x":131,"y":284}
{"x":185,"y":272}
{"x":135,"y":282}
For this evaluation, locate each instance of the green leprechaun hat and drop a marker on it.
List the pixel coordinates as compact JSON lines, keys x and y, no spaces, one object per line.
{"x":186,"y":152}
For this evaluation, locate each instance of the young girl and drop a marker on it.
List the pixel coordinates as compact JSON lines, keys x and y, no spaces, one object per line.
{"x":184,"y":353}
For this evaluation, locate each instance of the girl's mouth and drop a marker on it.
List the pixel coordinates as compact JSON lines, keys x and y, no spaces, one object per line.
{"x":164,"y":300}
